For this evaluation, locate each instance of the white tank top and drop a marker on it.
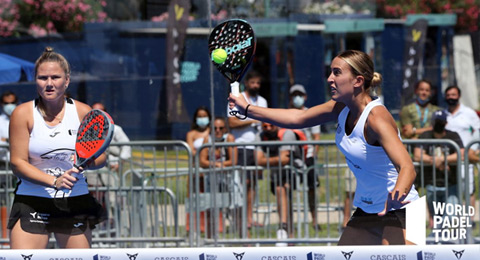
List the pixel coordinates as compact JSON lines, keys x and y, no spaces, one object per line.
{"x":376,"y":174}
{"x":52,"y":150}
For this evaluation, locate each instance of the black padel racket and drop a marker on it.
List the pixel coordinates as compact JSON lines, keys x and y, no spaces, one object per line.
{"x":93,"y":137}
{"x":236,"y":37}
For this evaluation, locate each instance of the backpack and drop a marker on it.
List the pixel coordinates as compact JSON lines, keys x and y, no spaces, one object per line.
{"x":299,"y":134}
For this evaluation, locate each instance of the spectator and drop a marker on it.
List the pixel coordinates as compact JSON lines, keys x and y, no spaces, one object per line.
{"x":434,"y":155}
{"x":415,"y":118}
{"x":282,"y":181}
{"x":116,"y":154}
{"x":116,"y":157}
{"x":9,"y":102}
{"x":298,"y":96}
{"x":465,"y":122}
{"x":200,"y":128}
{"x":225,"y":179}
{"x":244,"y":131}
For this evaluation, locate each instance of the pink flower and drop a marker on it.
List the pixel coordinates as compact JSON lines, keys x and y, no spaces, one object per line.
{"x":36,"y":30}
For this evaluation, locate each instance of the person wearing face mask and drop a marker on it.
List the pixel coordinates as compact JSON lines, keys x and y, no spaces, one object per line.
{"x":200,"y":128}
{"x":435,"y":155}
{"x":227,"y":181}
{"x":9,"y":102}
{"x":244,"y":131}
{"x":298,"y":96}
{"x":415,"y":118}
{"x":466,"y":123}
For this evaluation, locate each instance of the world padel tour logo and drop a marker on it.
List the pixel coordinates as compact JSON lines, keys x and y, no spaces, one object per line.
{"x":450,"y":221}
{"x":101,"y":257}
{"x":425,"y":256}
{"x":315,"y":256}
{"x":207,"y":257}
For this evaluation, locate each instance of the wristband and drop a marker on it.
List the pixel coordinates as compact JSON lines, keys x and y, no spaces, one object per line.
{"x":246,"y":110}
{"x":414,"y":131}
{"x":55,"y":183}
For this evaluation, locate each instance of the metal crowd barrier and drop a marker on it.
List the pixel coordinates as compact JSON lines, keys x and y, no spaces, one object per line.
{"x":161,"y":197}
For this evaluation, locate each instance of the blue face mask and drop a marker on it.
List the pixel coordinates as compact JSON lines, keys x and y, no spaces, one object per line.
{"x":8,"y":109}
{"x":202,"y":121}
{"x":298,"y":101}
{"x":422,"y":101}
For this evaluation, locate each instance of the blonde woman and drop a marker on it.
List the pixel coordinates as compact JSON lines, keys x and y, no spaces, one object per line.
{"x":50,"y":196}
{"x":370,"y":140}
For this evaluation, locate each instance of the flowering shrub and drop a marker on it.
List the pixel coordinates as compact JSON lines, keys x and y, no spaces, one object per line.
{"x":8,"y":17}
{"x":467,"y":10}
{"x":334,"y":7}
{"x":41,"y":17}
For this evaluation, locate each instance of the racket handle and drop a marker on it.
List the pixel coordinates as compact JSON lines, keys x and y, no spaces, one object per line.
{"x":235,"y":88}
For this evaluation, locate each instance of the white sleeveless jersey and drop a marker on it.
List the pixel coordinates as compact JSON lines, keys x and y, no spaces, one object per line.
{"x":376,"y":174}
{"x":52,"y":150}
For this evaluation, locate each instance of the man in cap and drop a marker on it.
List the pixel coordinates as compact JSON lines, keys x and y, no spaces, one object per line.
{"x":440,"y":181}
{"x":298,"y":96}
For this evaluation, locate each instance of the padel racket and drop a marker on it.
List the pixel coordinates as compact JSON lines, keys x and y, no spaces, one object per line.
{"x":93,"y":137}
{"x":236,"y":37}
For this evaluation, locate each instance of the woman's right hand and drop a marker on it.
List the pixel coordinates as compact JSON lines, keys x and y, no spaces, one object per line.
{"x":67,"y":179}
{"x":237,"y":101}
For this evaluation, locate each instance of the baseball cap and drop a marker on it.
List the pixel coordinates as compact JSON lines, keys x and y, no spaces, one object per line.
{"x":299,"y":88}
{"x":440,"y":115}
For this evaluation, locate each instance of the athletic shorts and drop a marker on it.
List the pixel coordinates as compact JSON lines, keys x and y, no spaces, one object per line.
{"x":369,"y":229}
{"x":394,"y":218}
{"x":70,"y":215}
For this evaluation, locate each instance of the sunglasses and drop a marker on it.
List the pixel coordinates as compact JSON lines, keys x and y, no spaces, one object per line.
{"x":219,"y":128}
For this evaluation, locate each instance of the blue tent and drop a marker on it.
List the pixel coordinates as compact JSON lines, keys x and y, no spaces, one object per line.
{"x":11,"y":69}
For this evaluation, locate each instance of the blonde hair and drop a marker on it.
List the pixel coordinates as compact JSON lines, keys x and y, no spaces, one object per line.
{"x":362,"y":65}
{"x":49,"y":55}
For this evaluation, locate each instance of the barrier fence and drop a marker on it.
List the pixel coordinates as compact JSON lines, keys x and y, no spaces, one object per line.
{"x":161,"y":197}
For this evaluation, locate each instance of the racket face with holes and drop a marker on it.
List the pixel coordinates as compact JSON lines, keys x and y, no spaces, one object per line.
{"x":93,"y":137}
{"x":236,"y":37}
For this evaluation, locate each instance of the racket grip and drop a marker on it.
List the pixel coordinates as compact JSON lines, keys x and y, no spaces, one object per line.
{"x":235,"y":88}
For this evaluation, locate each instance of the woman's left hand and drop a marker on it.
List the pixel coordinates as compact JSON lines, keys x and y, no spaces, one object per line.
{"x":394,"y":201}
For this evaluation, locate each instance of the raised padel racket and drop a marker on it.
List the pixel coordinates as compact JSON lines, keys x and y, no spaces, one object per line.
{"x":93,"y":137}
{"x":236,"y":37}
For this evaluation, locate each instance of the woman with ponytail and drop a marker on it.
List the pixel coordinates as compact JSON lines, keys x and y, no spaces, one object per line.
{"x":369,"y":138}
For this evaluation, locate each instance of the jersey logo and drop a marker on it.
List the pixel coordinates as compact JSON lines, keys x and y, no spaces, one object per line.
{"x":54,"y":134}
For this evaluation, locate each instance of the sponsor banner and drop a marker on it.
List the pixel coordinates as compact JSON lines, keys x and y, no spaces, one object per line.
{"x":431,"y":252}
{"x":178,"y":12}
{"x":465,"y":70}
{"x":412,"y":58}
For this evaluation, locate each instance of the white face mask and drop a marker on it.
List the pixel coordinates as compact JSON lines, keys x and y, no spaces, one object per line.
{"x":202,"y":122}
{"x":298,"y":101}
{"x":8,"y":109}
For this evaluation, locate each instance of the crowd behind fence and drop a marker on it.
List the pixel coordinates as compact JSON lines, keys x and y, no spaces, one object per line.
{"x":161,"y":197}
